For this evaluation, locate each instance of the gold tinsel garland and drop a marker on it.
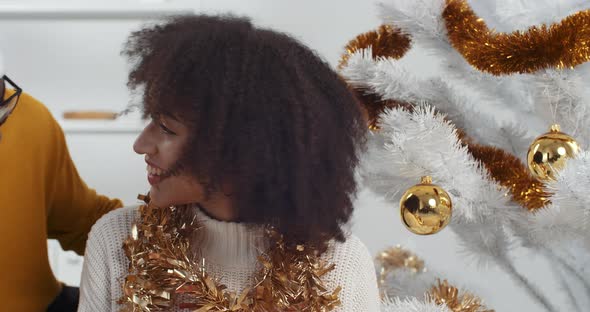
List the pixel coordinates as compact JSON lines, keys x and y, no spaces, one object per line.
{"x":397,"y":258}
{"x":386,"y":41}
{"x":444,"y":293}
{"x":394,"y":258}
{"x":163,"y":273}
{"x":560,"y":45}
{"x":510,"y":172}
{"x":374,"y":106}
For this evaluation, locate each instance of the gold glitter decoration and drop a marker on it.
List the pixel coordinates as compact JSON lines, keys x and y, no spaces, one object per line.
{"x":549,"y":153}
{"x":560,"y":45}
{"x":444,"y":293}
{"x":395,"y":258}
{"x":162,"y":272}
{"x":509,"y":171}
{"x":425,"y":208}
{"x":386,"y":41}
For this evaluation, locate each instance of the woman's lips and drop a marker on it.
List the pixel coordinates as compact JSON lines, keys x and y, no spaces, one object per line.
{"x":154,"y":173}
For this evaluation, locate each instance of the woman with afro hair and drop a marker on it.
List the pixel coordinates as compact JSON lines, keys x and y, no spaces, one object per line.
{"x":251,"y":152}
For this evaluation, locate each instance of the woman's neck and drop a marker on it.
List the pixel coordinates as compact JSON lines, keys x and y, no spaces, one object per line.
{"x":225,"y":243}
{"x":219,"y":207}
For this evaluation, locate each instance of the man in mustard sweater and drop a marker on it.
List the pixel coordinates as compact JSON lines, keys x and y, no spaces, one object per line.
{"x":41,"y":197}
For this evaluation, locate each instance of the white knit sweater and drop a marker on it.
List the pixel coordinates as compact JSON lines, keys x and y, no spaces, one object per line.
{"x":229,"y":249}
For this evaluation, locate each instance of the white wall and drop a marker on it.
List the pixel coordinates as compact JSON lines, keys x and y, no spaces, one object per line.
{"x":75,"y":65}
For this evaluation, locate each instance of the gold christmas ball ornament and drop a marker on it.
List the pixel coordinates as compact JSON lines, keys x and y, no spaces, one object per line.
{"x":549,"y":153}
{"x":426,"y":208}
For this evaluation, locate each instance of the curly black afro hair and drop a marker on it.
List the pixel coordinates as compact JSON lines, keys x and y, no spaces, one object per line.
{"x":266,"y":114}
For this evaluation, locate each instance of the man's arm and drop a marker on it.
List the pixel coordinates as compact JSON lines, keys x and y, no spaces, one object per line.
{"x":73,"y":207}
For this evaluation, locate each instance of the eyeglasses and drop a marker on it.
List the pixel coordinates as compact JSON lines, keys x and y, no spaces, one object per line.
{"x":8,"y":105}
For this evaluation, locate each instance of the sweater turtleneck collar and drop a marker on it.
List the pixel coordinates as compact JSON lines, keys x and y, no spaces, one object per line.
{"x":229,"y":243}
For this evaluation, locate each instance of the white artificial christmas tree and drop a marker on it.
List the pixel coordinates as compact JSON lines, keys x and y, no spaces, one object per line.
{"x":446,"y":126}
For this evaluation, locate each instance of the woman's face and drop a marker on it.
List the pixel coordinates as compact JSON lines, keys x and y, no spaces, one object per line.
{"x":162,"y":142}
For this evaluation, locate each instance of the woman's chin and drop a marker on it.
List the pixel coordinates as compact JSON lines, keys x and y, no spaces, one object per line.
{"x":157,"y":199}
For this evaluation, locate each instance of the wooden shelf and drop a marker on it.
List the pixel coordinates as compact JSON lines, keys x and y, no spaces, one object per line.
{"x":123,"y":125}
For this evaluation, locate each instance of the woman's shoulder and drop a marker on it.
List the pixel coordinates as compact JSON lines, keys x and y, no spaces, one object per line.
{"x":354,"y":272}
{"x":114,"y":226}
{"x":124,"y":216}
{"x":105,"y":262}
{"x":349,"y":256}
{"x":352,"y":248}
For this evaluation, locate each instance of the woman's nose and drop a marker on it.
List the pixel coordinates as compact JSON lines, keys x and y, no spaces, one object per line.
{"x":144,"y":143}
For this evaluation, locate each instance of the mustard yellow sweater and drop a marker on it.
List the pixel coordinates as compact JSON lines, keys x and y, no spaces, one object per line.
{"x":41,"y":197}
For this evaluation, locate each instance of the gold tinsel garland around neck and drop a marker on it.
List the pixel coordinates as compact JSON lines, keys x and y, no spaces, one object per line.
{"x":561,"y":45}
{"x":163,"y":272}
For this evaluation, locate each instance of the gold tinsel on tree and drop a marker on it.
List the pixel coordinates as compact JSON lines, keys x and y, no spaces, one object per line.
{"x":561,"y":45}
{"x":509,"y":171}
{"x":374,"y":106}
{"x":444,"y":293}
{"x":394,"y":258}
{"x":386,"y":41}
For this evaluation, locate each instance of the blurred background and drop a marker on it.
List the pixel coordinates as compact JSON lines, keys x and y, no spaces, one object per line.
{"x":66,"y":54}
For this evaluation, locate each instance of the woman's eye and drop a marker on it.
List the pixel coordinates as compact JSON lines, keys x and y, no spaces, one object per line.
{"x":165,"y":129}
